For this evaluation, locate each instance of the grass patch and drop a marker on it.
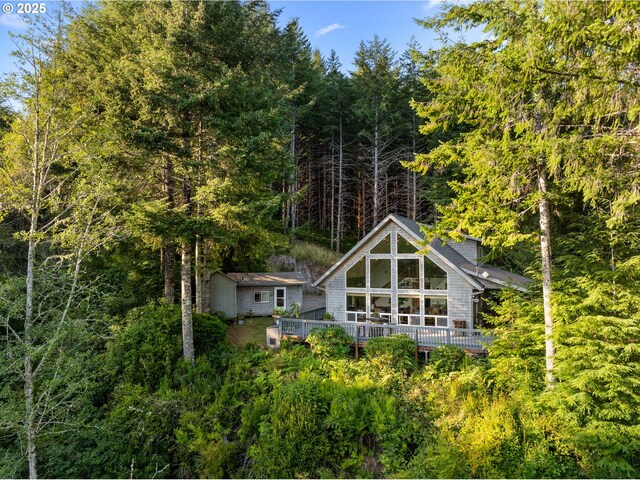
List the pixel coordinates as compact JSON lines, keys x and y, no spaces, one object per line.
{"x":253,"y":331}
{"x":316,"y":254}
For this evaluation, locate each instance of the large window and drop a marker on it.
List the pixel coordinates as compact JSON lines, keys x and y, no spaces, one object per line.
{"x":434,"y":277}
{"x":435,"y":312}
{"x":261,"y":296}
{"x":408,"y":273}
{"x":383,"y":246}
{"x":380,"y":273}
{"x":381,"y":306}
{"x":408,"y":310}
{"x":356,"y":275}
{"x":356,"y":308}
{"x":404,"y":246}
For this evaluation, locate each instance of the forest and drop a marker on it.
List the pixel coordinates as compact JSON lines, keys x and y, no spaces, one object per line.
{"x":144,"y":145}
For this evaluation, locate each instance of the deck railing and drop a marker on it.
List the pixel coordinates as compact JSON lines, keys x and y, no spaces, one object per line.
{"x":465,"y":338}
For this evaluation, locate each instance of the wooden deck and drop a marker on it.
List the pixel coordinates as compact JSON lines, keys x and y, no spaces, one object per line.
{"x":426,"y":338}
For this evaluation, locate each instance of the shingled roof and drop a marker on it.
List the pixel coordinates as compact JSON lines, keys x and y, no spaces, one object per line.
{"x":267,"y":279}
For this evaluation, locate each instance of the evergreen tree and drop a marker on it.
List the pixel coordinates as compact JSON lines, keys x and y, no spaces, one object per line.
{"x":517,"y":90}
{"x":376,"y":83}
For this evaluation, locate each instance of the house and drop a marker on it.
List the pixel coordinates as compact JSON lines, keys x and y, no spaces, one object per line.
{"x":255,"y":293}
{"x":384,"y":277}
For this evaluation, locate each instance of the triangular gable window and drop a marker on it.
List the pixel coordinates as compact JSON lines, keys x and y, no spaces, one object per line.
{"x":357,"y":275}
{"x":434,"y":277}
{"x":404,"y":246}
{"x":383,"y":246}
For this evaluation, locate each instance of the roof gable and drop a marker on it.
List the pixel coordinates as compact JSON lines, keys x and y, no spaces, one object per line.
{"x":479,"y":276}
{"x":412,"y":231}
{"x":358,"y":246}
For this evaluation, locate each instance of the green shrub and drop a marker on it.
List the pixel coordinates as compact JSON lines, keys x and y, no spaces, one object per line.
{"x":448,"y":358}
{"x":332,"y":342}
{"x":292,"y":442}
{"x":397,"y":351}
{"x":150,"y":345}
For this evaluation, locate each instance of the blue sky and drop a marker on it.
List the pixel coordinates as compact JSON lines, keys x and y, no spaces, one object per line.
{"x":338,"y":25}
{"x":341,"y":25}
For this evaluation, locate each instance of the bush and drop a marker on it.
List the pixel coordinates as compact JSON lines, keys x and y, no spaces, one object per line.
{"x":292,"y":440}
{"x":332,"y":342}
{"x":447,"y":359}
{"x":397,"y":351}
{"x":150,"y":345}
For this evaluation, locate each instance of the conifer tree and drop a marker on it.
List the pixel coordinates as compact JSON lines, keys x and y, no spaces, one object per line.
{"x":517,"y":91}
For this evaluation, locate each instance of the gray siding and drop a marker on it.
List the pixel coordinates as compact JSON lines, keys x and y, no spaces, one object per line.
{"x":223,"y":295}
{"x":246,"y":296}
{"x":459,"y":292}
{"x":467,"y":248}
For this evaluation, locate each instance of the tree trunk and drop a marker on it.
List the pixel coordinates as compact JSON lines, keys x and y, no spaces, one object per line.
{"x":199,"y":272}
{"x":339,"y":219}
{"x":168,"y":247}
{"x":198,"y":275}
{"x":185,"y":283}
{"x":376,"y":180}
{"x":545,"y":249}
{"x":187,"y":316}
{"x":28,"y":367}
{"x":333,"y":194}
{"x":168,"y":268}
{"x":30,"y":417}
{"x":37,"y":185}
{"x":414,"y":199}
{"x":206,"y":282}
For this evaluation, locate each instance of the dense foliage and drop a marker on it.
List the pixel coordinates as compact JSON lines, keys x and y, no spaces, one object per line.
{"x":290,"y":414}
{"x":145,"y":144}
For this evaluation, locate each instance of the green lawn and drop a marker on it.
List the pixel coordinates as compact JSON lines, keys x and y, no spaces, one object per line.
{"x":253,"y":331}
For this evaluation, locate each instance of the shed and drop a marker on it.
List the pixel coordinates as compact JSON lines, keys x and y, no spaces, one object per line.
{"x":255,"y":294}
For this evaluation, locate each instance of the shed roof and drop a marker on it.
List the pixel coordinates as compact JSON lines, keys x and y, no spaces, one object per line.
{"x":267,"y":279}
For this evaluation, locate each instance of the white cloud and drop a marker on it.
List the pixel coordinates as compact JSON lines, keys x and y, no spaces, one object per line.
{"x":328,"y":29}
{"x":431,"y":5}
{"x":13,"y":21}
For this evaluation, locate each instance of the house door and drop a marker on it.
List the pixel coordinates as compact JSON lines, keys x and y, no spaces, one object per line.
{"x":281,"y":297}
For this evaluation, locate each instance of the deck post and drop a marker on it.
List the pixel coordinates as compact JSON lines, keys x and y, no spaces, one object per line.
{"x":416,"y":340}
{"x":448,"y":337}
{"x":357,"y":328}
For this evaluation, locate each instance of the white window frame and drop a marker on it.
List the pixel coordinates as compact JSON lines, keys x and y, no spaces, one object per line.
{"x":371,"y":312}
{"x":262,"y":295}
{"x":411,"y":319}
{"x":378,"y":258}
{"x":284,"y":297}
{"x":356,"y":315}
{"x":440,"y":320}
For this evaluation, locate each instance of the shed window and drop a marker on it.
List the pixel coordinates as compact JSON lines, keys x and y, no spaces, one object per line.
{"x":261,"y":296}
